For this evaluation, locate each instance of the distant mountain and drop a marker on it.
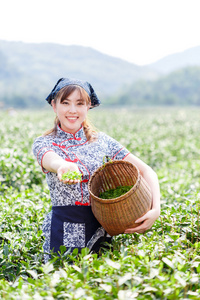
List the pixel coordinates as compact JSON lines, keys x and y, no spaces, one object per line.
{"x":28,"y":72}
{"x":180,"y":88}
{"x":190,"y":57}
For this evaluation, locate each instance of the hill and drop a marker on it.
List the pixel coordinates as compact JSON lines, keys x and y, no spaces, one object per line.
{"x":29,"y":71}
{"x":181,"y":87}
{"x":189,"y":57}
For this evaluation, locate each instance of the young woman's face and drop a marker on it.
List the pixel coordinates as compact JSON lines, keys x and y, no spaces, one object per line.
{"x":71,"y":112}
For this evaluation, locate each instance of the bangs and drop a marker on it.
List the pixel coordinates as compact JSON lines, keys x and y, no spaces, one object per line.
{"x":64,"y":93}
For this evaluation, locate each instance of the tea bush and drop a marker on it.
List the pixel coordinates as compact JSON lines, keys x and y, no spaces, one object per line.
{"x":163,"y":263}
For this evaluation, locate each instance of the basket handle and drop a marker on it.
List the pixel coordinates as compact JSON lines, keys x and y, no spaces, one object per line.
{"x":107,"y":158}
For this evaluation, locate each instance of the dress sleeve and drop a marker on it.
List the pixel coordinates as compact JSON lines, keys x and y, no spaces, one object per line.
{"x":41,"y":146}
{"x":115,"y":150}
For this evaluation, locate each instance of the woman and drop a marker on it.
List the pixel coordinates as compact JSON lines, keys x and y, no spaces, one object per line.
{"x":72,"y":145}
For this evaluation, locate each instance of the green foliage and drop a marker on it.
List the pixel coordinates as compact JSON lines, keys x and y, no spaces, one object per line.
{"x":163,"y":263}
{"x":72,"y":175}
{"x":114,"y":193}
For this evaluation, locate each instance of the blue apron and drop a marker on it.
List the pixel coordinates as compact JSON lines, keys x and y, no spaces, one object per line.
{"x":73,"y":227}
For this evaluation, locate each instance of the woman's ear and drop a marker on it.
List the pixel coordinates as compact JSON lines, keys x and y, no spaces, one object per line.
{"x":53,"y":105}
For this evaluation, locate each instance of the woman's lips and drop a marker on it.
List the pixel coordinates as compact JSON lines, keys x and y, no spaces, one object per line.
{"x":72,"y":119}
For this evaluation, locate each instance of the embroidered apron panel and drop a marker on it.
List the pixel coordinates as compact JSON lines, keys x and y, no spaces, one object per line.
{"x":74,"y":235}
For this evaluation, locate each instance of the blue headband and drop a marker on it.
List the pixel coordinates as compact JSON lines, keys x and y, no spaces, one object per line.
{"x":62,"y":82}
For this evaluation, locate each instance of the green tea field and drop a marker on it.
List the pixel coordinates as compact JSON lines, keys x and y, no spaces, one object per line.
{"x":163,"y":263}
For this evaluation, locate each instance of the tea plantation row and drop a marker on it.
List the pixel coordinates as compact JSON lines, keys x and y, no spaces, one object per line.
{"x":163,"y":263}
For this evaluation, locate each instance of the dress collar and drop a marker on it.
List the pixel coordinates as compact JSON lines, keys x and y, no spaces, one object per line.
{"x":78,"y":135}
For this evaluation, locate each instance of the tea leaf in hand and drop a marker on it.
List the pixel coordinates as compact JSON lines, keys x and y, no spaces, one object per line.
{"x":72,"y":175}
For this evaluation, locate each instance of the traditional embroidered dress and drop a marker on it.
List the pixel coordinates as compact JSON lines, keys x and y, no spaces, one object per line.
{"x":71,"y":222}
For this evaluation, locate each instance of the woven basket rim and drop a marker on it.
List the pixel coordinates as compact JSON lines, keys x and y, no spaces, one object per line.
{"x":122,"y":197}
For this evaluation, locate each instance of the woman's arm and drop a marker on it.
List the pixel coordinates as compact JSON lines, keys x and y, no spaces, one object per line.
{"x":54,"y":163}
{"x":151,"y":178}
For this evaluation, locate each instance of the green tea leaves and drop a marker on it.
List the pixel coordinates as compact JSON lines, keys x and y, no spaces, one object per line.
{"x":114,"y":193}
{"x":72,"y":175}
{"x":163,"y":263}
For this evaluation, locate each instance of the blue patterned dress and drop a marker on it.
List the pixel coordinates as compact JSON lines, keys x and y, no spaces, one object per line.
{"x":71,"y":222}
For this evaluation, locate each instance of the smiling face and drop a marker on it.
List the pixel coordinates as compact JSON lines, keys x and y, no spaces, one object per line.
{"x":71,"y":106}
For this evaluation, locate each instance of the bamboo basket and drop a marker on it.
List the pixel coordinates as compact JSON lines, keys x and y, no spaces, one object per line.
{"x":118,"y":214}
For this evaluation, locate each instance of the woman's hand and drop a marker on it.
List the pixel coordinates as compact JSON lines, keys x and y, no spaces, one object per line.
{"x":152,"y":179}
{"x":69,"y":166}
{"x":54,"y":163}
{"x":147,"y":221}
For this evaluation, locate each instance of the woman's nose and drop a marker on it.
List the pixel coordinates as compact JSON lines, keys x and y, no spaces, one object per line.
{"x":72,"y":108}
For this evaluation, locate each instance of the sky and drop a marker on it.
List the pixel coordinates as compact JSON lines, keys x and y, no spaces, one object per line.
{"x":138,"y":31}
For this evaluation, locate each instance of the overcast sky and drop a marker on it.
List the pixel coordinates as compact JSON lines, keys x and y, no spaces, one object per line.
{"x":138,"y":31}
